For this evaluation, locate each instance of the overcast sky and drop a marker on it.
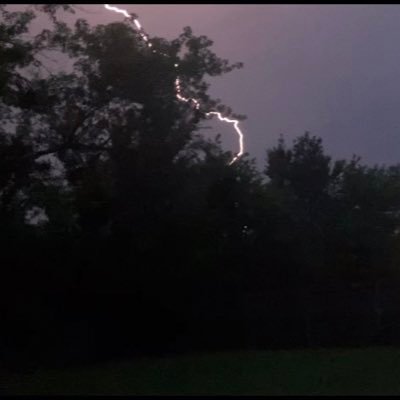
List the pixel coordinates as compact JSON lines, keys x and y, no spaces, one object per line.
{"x":330,"y":69}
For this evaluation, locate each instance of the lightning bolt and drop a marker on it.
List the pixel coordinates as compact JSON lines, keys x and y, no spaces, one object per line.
{"x":178,"y":88}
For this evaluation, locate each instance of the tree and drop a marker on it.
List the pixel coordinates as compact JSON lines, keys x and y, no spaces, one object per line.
{"x":119,"y":151}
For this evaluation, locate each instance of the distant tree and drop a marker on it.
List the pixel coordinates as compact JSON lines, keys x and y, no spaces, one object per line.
{"x":304,"y":175}
{"x":367,"y":217}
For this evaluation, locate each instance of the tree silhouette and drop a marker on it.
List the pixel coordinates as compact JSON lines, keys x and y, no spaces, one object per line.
{"x":125,"y":231}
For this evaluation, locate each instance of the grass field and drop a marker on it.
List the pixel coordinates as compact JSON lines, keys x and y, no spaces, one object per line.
{"x":329,"y":372}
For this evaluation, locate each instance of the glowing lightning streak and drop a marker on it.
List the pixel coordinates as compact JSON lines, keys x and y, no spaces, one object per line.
{"x":235,"y":123}
{"x":135,"y":21}
{"x":178,"y":88}
{"x":117,"y":10}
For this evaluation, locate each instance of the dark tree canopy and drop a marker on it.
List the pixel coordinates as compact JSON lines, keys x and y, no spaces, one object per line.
{"x":124,"y":230}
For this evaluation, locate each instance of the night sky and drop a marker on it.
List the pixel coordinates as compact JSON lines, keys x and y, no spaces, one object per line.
{"x":330,"y":69}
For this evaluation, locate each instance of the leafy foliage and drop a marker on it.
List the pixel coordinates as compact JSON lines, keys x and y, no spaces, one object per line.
{"x":125,"y":228}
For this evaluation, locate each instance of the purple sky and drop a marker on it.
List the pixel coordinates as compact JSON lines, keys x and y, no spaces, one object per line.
{"x":331,"y":69}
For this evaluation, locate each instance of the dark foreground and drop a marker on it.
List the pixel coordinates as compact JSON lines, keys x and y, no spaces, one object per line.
{"x":333,"y":371}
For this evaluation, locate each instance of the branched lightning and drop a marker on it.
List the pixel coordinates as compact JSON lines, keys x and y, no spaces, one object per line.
{"x":178,"y":88}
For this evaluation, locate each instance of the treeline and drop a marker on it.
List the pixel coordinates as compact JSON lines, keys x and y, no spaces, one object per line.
{"x":125,"y":232}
